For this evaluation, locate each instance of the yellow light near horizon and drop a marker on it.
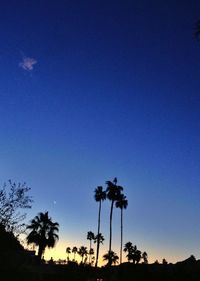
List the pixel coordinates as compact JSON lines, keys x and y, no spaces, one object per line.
{"x":59,"y":253}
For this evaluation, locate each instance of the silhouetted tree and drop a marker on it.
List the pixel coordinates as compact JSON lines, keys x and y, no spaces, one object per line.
{"x":91,"y":255}
{"x":164,"y":261}
{"x":68,"y":251}
{"x":129,"y":249}
{"x":43,"y":232}
{"x":82,"y":251}
{"x":121,"y":203}
{"x":137,"y":256}
{"x":132,"y":252}
{"x":8,"y":241}
{"x":14,"y":198}
{"x":99,"y":238}
{"x":90,"y":237}
{"x":74,"y":251}
{"x":111,"y":257}
{"x":113,"y":192}
{"x":145,"y":257}
{"x":100,"y":195}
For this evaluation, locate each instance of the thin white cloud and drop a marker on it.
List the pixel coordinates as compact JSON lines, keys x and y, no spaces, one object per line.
{"x":27,"y":63}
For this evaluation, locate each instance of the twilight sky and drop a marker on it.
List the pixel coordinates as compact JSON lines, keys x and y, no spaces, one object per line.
{"x":91,"y":90}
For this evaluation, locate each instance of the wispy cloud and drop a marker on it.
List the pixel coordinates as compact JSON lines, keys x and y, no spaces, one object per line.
{"x":27,"y":63}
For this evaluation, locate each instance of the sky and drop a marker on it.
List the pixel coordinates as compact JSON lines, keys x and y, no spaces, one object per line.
{"x":91,"y":90}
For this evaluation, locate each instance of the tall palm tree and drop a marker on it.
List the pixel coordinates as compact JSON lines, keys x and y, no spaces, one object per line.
{"x":121,"y":203}
{"x":90,"y":236}
{"x":111,"y":257}
{"x":82,"y":252}
{"x":100,"y":195}
{"x":43,"y":232}
{"x":74,"y":251}
{"x":68,"y":251}
{"x":113,"y":192}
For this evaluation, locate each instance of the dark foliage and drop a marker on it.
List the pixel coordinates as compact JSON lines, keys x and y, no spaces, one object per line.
{"x":13,"y":199}
{"x":188,"y":270}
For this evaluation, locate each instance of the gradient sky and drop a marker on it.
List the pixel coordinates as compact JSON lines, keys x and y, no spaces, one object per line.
{"x":92,"y":90}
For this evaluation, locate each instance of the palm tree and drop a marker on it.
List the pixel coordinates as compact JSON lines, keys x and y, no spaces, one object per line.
{"x":121,"y":203}
{"x":99,"y":238}
{"x":43,"y":232}
{"x":111,"y":257}
{"x":113,"y":192}
{"x":91,"y":255}
{"x":137,"y":256}
{"x":129,"y":248}
{"x":68,"y":251}
{"x":99,"y":196}
{"x":82,"y":252}
{"x":133,"y":253}
{"x":74,"y":251}
{"x":90,"y":236}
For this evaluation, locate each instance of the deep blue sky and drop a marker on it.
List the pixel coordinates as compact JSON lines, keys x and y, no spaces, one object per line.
{"x":91,"y":90}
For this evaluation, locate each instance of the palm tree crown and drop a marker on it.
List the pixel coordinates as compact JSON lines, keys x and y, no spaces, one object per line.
{"x":100,"y":194}
{"x":113,"y":190}
{"x":83,"y":252}
{"x":68,"y":251}
{"x":111,"y":257}
{"x":132,"y":252}
{"x":122,"y":202}
{"x":43,"y":232}
{"x":90,"y":237}
{"x":74,"y":251}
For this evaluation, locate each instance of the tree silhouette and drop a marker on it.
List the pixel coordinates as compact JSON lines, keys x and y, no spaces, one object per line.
{"x":113,"y":192}
{"x":132,"y":252}
{"x":43,"y":232}
{"x":91,"y":255}
{"x":121,"y":203}
{"x":145,"y":257}
{"x":8,"y":241}
{"x":100,"y":195}
{"x":90,"y":237}
{"x":129,"y":248}
{"x":111,"y":257}
{"x":82,"y":251}
{"x":68,"y":251}
{"x":74,"y":251}
{"x":14,"y":198}
{"x":164,"y":261}
{"x":99,"y":238}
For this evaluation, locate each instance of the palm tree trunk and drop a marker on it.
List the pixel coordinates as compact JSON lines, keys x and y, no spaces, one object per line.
{"x":121,"y":235}
{"x":110,"y":241}
{"x":90,"y":251}
{"x":40,"y":252}
{"x":99,"y":216}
